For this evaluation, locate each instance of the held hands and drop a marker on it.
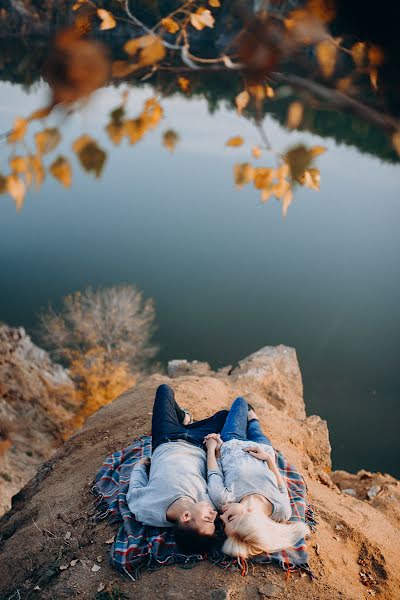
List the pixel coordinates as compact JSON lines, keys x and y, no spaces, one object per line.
{"x":144,"y":461}
{"x":260,"y":454}
{"x":213,"y":442}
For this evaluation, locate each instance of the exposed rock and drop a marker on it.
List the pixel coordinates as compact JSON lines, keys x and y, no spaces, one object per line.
{"x":51,"y":515}
{"x":276,"y":371}
{"x":36,"y":402}
{"x":378,"y":489}
{"x":179,"y":367}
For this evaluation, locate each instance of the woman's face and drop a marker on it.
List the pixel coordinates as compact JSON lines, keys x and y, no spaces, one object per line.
{"x":231,"y":513}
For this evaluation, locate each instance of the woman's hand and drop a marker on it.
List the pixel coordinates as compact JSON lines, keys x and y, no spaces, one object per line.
{"x":260,"y":454}
{"x":144,"y":461}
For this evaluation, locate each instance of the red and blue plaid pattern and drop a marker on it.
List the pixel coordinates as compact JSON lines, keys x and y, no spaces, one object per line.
{"x":138,"y":546}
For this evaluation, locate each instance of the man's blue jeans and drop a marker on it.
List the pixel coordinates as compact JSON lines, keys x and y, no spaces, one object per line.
{"x":238,"y":428}
{"x":167,"y":421}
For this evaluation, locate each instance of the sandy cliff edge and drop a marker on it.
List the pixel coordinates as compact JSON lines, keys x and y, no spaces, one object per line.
{"x":354,"y":553}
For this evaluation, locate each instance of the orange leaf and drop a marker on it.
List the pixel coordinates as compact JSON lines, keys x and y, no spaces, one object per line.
{"x":242,"y":100}
{"x":170,"y":139}
{"x":326,"y":55}
{"x":18,"y":131}
{"x":62,"y":171}
{"x":184,"y":84}
{"x":396,"y":142}
{"x":40,"y":113}
{"x":317,"y":150}
{"x":376,"y":56}
{"x":262,"y":177}
{"x":47,"y":140}
{"x":235,"y":141}
{"x":107,"y":20}
{"x":170,"y":25}
{"x":214,"y":3}
{"x":358,"y":53}
{"x":256,"y":151}
{"x":243,"y":173}
{"x":373,"y":76}
{"x":295,"y":115}
{"x":16,"y":189}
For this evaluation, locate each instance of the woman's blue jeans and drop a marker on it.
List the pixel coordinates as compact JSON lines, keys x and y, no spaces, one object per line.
{"x":238,"y":428}
{"x":167,"y":421}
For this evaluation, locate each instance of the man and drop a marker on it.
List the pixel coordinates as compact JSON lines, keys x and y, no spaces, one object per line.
{"x":174,"y":494}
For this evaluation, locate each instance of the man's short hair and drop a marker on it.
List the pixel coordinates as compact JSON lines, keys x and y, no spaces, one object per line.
{"x":190,"y":541}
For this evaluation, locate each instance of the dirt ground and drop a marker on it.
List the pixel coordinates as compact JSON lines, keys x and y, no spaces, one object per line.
{"x":51,"y":549}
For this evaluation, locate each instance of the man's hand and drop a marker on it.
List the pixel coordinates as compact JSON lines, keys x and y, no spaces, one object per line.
{"x":260,"y":454}
{"x":144,"y":461}
{"x":213,"y":441}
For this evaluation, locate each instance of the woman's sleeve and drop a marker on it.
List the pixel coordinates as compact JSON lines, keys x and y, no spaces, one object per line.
{"x":283,"y":511}
{"x":217,"y":491}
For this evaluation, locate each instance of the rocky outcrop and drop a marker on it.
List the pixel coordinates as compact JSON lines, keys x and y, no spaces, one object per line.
{"x":36,"y":402}
{"x":353,"y":554}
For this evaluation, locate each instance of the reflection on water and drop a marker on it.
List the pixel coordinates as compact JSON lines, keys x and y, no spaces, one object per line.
{"x":228,"y":274}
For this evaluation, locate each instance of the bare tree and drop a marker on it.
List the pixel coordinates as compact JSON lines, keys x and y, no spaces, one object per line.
{"x":118,"y":321}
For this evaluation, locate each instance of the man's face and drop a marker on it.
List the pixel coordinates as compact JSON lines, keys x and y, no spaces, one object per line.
{"x":202,"y":518}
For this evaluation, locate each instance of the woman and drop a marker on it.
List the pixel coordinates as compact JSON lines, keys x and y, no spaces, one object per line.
{"x":249,"y":489}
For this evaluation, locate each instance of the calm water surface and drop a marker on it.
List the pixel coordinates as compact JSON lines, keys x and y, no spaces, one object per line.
{"x":227,"y":273}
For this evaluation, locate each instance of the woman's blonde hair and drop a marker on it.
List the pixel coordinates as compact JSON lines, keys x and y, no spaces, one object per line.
{"x":256,"y":533}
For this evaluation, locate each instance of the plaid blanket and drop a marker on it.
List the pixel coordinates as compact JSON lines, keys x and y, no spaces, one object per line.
{"x":138,"y":546}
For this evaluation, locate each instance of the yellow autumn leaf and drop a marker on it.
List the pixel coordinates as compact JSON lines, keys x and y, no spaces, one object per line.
{"x":131,"y":47}
{"x":311,"y":179}
{"x":78,"y":4}
{"x":257,"y":91}
{"x":256,"y":151}
{"x":152,"y":112}
{"x":263,"y":177}
{"x":184,"y":84}
{"x":107,"y":20}
{"x":202,"y":18}
{"x":37,"y":169}
{"x":47,"y":140}
{"x":243,"y":173}
{"x":214,"y":3}
{"x":286,"y":202}
{"x":266,"y":194}
{"x":282,"y":171}
{"x":16,"y":189}
{"x":170,"y":25}
{"x":135,"y":129}
{"x":326,"y":55}
{"x":358,"y":53}
{"x":40,"y":113}
{"x":396,"y":141}
{"x":317,"y":150}
{"x":269,"y":91}
{"x":122,"y":68}
{"x":116,"y":132}
{"x":18,"y":131}
{"x":376,"y":56}
{"x":280,"y":188}
{"x":18,"y":164}
{"x":242,"y":100}
{"x":91,"y":157}
{"x":295,"y":115}
{"x":234,"y":142}
{"x":152,"y":53}
{"x":373,"y":76}
{"x":62,"y":171}
{"x":170,"y":139}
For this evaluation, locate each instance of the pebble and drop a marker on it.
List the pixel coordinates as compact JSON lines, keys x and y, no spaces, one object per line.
{"x":349,"y":492}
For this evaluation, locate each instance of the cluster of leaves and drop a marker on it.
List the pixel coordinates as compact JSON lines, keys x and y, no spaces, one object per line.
{"x":104,"y":336}
{"x":295,"y":168}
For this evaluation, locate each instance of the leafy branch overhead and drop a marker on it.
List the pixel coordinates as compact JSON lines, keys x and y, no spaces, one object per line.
{"x":330,"y":68}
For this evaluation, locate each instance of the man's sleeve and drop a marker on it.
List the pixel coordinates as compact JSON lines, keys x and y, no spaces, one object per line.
{"x":138,"y":480}
{"x":216,"y":489}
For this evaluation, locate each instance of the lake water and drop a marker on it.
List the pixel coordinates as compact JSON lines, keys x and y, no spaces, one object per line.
{"x":228,"y":274}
